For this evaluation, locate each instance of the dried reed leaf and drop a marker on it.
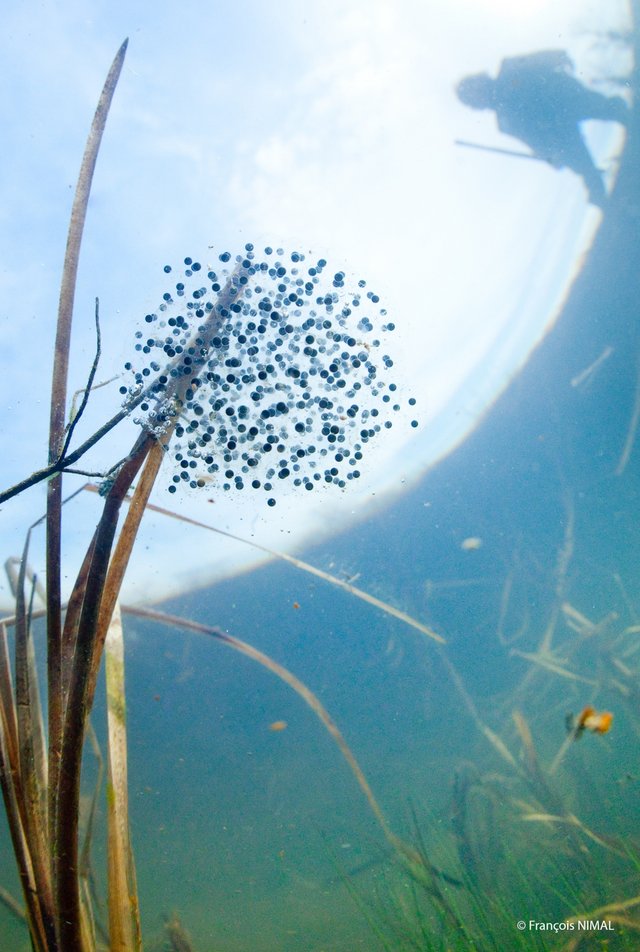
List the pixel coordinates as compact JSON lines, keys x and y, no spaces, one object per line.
{"x":124,"y":547}
{"x":32,"y":769}
{"x":533,"y":771}
{"x":611,"y":907}
{"x":57,"y":424}
{"x":72,"y":932}
{"x":39,"y":742}
{"x":14,"y":802}
{"x":576,"y":620}
{"x":89,"y":891}
{"x":569,"y":819}
{"x":532,"y":764}
{"x":470,"y":704}
{"x":550,"y":663}
{"x":13,"y":795}
{"x":72,"y":620}
{"x":298,"y":686}
{"x":7,"y":701}
{"x":82,"y":684}
{"x":499,"y":745}
{"x":72,"y":256}
{"x":124,"y":925}
{"x":85,"y":857}
{"x":631,"y":431}
{"x":559,"y":757}
{"x":303,"y":566}
{"x":12,"y":905}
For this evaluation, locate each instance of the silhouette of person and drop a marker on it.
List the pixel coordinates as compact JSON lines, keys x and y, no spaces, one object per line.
{"x":537,"y":99}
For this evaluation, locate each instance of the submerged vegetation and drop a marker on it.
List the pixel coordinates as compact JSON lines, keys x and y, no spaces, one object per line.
{"x":539,"y":843}
{"x":270,"y":375}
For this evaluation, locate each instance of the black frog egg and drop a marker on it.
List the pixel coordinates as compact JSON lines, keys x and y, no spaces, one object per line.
{"x":271,"y":368}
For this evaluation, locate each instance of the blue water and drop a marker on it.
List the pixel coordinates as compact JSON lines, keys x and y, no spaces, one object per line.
{"x":248,"y":822}
{"x":246,"y":832}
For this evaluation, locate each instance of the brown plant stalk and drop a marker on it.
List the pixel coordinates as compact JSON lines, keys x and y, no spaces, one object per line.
{"x":57,"y":424}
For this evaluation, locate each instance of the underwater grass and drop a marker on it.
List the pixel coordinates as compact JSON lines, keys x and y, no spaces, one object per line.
{"x":532,"y":880}
{"x":525,"y":849}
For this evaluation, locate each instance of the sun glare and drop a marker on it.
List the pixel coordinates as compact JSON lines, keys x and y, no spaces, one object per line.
{"x":521,"y":10}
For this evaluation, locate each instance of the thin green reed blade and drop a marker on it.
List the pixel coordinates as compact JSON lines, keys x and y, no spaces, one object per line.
{"x":124,"y":924}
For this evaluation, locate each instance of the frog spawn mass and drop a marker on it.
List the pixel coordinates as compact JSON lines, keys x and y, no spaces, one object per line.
{"x":280,"y":368}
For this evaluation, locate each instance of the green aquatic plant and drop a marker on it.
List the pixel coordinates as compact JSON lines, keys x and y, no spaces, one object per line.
{"x":532,"y":836}
{"x":565,"y":873}
{"x":524,"y":843}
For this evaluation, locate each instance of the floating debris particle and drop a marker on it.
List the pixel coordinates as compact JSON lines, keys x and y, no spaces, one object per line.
{"x":277,"y":726}
{"x":471,"y":544}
